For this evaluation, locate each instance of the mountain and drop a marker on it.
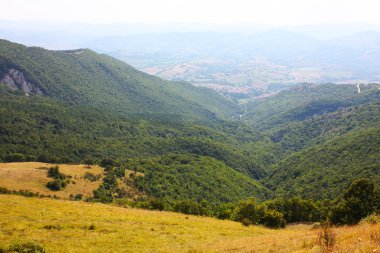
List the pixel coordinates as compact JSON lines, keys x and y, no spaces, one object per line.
{"x":327,"y":134}
{"x":83,"y":77}
{"x":73,"y":106}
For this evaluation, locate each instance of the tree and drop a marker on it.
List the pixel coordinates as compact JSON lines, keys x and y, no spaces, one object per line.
{"x":273,"y":219}
{"x":359,"y":200}
{"x":248,"y":211}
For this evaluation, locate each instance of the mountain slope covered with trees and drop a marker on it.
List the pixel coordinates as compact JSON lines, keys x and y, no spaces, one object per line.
{"x":78,"y":106}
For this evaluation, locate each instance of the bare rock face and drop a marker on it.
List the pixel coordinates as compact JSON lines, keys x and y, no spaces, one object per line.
{"x":15,"y":80}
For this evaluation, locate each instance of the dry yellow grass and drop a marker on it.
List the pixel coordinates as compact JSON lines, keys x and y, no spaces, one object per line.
{"x":29,"y":176}
{"x":131,"y":230}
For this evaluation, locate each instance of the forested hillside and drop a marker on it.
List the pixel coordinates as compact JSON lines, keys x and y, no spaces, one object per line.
{"x":83,"y":77}
{"x":79,"y":106}
{"x":328,"y":136}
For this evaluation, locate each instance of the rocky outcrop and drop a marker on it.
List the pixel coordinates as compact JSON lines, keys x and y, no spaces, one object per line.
{"x":15,"y":80}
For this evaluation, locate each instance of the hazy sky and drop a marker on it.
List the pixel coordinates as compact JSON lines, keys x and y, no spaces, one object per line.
{"x":269,"y":12}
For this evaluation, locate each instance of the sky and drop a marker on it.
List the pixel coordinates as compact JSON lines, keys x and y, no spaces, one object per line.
{"x":263,"y":12}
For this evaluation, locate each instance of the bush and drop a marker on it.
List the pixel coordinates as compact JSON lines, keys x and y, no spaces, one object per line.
{"x":26,"y":247}
{"x":55,"y":185}
{"x":78,"y":196}
{"x":91,"y":177}
{"x":225,"y":210}
{"x":273,"y":219}
{"x":60,"y":180}
{"x":248,"y":211}
{"x":4,"y":190}
{"x":371,"y":219}
{"x":103,"y":195}
{"x":53,"y":172}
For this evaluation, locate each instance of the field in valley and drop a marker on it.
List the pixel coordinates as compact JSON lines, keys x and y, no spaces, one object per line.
{"x":69,"y":226}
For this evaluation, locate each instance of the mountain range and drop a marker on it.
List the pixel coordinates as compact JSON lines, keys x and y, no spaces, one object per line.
{"x":310,"y":140}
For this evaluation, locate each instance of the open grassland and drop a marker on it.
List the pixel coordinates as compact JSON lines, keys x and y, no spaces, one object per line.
{"x":68,"y":226}
{"x":32,"y":176}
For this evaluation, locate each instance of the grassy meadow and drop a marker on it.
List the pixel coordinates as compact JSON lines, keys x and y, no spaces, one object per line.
{"x":69,"y":226}
{"x":32,"y":176}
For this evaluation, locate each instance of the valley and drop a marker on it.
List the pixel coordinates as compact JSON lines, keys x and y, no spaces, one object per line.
{"x":92,"y":141}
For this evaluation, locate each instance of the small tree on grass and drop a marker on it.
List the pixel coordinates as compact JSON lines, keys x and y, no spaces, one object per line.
{"x":60,"y":180}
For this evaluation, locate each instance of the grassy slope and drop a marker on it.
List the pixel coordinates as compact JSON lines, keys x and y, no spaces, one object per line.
{"x":32,"y":176}
{"x":131,"y":230}
{"x":86,"y":78}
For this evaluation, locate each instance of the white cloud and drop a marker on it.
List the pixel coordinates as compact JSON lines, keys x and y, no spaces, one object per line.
{"x":271,"y":12}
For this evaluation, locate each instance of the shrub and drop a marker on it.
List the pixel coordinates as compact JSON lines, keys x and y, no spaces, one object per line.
{"x":248,"y":210}
{"x":225,"y":210}
{"x":245,"y":222}
{"x":55,"y":185}
{"x":326,"y":238}
{"x":371,"y":219}
{"x":53,"y":172}
{"x":60,"y":180}
{"x":26,"y":247}
{"x":102,"y":195}
{"x":273,"y":219}
{"x":78,"y":196}
{"x":91,"y":177}
{"x":4,"y":190}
